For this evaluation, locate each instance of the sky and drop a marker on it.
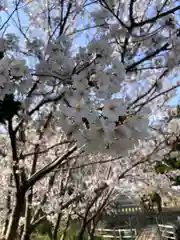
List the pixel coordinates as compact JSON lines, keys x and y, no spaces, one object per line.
{"x":80,"y":40}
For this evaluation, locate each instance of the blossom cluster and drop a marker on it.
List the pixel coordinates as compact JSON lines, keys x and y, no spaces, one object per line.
{"x":108,"y":98}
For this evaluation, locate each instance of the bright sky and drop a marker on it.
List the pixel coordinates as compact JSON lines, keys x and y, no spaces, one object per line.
{"x":81,"y":40}
{"x":12,"y":26}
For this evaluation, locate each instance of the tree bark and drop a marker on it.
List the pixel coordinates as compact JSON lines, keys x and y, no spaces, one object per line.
{"x":92,"y":230}
{"x":66,"y":227}
{"x":26,"y":234}
{"x":8,"y":206}
{"x":81,"y":234}
{"x":82,"y":231}
{"x":15,"y":217}
{"x":55,"y":233}
{"x":27,"y":225}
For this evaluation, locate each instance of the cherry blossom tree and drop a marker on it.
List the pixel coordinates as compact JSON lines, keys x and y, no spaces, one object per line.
{"x":61,"y":101}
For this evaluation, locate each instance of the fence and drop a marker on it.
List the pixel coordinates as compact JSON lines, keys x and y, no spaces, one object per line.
{"x":133,"y":210}
{"x":167,"y":231}
{"x":120,"y":234}
{"x":127,"y":210}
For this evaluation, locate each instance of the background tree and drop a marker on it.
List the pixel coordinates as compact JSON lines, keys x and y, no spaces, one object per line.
{"x":60,"y":100}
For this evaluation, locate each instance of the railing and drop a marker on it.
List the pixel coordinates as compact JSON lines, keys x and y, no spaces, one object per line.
{"x":120,"y":234}
{"x":167,"y":231}
{"x":126,"y":210}
{"x":133,"y":210}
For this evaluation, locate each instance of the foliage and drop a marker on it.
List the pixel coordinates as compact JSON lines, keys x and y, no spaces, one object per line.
{"x":171,"y":162}
{"x":70,"y":234}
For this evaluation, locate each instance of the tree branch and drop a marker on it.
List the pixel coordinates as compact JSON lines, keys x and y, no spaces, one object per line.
{"x":158,"y":16}
{"x":12,"y":136}
{"x":48,"y":168}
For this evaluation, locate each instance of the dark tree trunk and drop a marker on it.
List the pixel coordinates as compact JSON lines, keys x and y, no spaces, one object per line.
{"x":16,"y":214}
{"x":56,"y":227}
{"x":82,"y":232}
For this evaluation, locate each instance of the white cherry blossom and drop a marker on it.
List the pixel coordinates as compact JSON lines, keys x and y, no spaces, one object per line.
{"x":18,"y":68}
{"x":86,"y":73}
{"x":113,"y":109}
